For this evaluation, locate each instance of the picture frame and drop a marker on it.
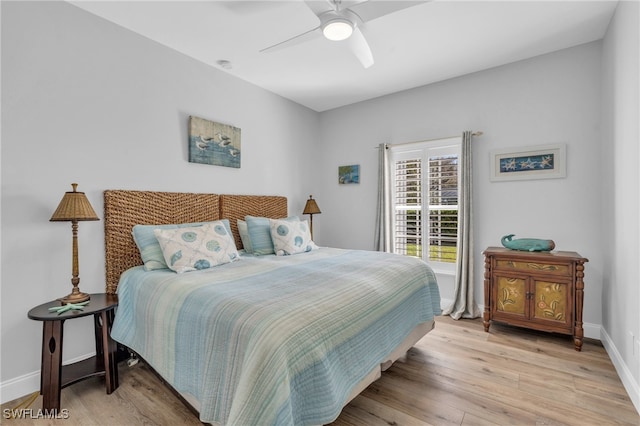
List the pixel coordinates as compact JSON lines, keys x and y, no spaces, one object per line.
{"x":531,"y":162}
{"x":349,"y":174}
{"x":214,"y":143}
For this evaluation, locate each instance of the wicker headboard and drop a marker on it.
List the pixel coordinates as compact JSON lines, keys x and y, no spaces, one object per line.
{"x":124,"y":209}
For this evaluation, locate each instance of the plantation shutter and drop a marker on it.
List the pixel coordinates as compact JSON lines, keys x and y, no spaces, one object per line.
{"x":425,"y":179}
{"x":443,"y":207}
{"x":408,"y":207}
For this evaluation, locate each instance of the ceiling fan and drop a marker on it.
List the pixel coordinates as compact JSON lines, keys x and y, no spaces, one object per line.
{"x":342,"y":20}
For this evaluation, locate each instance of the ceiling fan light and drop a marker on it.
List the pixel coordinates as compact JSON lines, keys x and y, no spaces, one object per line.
{"x":338,"y":29}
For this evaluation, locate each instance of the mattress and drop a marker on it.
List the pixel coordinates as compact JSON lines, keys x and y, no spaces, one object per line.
{"x":275,"y":339}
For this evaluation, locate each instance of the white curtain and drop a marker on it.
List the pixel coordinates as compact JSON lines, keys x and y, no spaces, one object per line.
{"x":384,"y":223}
{"x":464,"y":305}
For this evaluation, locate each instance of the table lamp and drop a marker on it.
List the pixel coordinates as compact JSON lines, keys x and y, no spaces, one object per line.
{"x":73,"y":208}
{"x":311,"y":208}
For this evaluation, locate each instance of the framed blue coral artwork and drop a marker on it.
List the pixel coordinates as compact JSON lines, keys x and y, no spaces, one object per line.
{"x":534,"y":162}
{"x":349,"y":174}
{"x":214,"y":143}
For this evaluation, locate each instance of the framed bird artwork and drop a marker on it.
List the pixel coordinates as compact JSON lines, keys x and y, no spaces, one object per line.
{"x":349,"y":174}
{"x":213,"y":143}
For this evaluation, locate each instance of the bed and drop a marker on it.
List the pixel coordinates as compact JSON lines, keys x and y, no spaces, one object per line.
{"x":261,"y":339}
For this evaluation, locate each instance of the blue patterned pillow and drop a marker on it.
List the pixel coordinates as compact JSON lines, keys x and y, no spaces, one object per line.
{"x":147,"y":243}
{"x":291,"y":237}
{"x":260,"y":233}
{"x":198,"y":247}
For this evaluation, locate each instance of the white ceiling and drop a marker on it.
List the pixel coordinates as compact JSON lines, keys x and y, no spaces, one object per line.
{"x":423,"y":44}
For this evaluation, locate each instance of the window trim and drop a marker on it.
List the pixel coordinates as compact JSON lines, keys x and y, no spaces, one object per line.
{"x":424,"y":150}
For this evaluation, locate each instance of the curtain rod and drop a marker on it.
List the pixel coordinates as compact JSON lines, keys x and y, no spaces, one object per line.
{"x":478,"y":133}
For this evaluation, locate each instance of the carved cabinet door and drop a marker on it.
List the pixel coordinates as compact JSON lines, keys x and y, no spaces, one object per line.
{"x":552,"y":303}
{"x":511,"y":296}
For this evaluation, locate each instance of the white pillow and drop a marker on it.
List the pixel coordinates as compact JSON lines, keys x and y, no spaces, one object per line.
{"x":148,"y":245}
{"x":290,"y":237}
{"x":193,"y":248}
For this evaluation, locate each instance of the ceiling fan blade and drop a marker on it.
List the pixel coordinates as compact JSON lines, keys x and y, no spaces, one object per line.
{"x":318,"y":7}
{"x":359,"y":46}
{"x":370,"y":10}
{"x":300,"y":38}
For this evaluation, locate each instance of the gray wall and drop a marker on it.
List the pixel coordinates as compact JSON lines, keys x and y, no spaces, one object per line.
{"x":620,"y":156}
{"x":86,"y":101}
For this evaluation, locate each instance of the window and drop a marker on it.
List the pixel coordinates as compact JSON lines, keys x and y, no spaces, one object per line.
{"x":425,"y":180}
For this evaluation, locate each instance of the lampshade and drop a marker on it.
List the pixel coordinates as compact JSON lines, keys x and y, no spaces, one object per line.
{"x":311,"y":207}
{"x":338,"y":29}
{"x":74,"y":206}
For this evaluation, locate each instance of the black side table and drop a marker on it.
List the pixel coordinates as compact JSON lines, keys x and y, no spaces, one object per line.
{"x":54,"y":376}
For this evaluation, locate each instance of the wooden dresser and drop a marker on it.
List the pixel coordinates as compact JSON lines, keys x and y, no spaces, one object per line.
{"x":537,"y":290}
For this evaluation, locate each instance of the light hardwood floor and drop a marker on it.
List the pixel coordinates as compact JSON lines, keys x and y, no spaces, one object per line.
{"x":456,"y":375}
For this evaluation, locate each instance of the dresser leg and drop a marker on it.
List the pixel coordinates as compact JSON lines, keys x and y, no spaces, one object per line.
{"x":486,"y":317}
{"x":579,"y":301}
{"x":486,"y":320}
{"x":51,"y":369}
{"x":578,"y":344}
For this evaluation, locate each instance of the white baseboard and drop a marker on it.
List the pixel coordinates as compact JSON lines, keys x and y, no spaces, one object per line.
{"x":27,"y":384}
{"x":445,"y":303}
{"x":19,"y":386}
{"x":592,"y":331}
{"x":630,"y":384}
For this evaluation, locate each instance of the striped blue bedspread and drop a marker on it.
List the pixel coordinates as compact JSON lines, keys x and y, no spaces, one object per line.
{"x":274,"y":339}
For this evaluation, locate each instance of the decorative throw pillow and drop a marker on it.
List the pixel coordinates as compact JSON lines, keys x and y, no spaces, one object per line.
{"x":291,"y":237}
{"x":244,"y":236}
{"x":260,"y":233}
{"x":199,"y":247}
{"x":148,"y":246}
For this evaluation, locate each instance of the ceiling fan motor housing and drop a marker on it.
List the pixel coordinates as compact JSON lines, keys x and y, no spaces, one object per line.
{"x":338,"y":25}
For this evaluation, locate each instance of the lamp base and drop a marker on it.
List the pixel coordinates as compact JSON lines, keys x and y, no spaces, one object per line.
{"x":77,"y":297}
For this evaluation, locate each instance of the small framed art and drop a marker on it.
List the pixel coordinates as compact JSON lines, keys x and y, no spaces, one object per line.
{"x":533,"y":162}
{"x":213,"y":143}
{"x":349,"y":174}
